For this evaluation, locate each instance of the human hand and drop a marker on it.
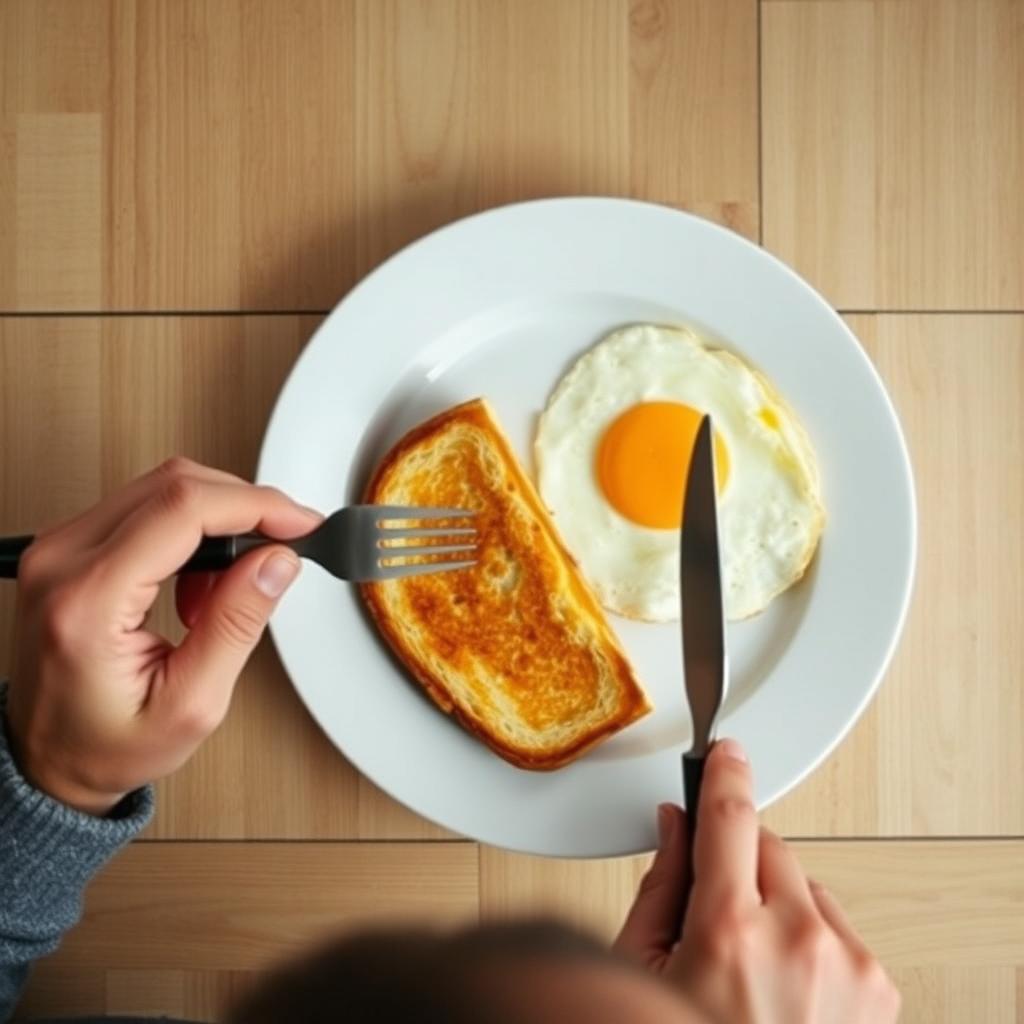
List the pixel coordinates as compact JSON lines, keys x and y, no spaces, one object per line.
{"x":760,"y":943}
{"x":97,"y":704}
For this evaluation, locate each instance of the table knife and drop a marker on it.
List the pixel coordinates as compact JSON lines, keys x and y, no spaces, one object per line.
{"x":703,"y":621}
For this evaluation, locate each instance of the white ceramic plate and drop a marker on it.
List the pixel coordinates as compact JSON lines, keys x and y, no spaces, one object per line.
{"x":500,"y":304}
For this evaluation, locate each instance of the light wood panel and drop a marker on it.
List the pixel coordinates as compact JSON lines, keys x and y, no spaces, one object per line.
{"x":248,"y":154}
{"x":224,"y":179}
{"x":418,"y":121}
{"x":954,"y":995}
{"x":941,"y":751}
{"x":179,"y":928}
{"x":958,"y":764}
{"x":928,"y":903}
{"x":693,"y":131}
{"x":57,"y":178}
{"x":893,"y":139}
{"x":380,"y":817}
{"x":592,"y":895}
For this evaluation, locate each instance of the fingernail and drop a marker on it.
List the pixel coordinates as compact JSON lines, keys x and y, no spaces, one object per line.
{"x":318,"y":516}
{"x":276,"y":573}
{"x":666,"y":824}
{"x":730,"y":748}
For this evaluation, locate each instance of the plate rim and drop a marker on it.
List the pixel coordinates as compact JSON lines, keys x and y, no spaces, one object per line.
{"x":702,"y":224}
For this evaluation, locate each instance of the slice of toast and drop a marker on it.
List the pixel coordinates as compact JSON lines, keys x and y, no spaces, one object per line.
{"x":517,"y":647}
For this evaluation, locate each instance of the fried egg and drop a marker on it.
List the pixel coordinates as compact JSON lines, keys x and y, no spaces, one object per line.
{"x":612,"y":451}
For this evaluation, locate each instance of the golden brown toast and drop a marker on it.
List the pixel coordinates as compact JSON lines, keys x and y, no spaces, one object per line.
{"x":517,"y":647}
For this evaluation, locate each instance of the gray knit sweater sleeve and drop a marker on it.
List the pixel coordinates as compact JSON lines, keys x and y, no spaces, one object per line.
{"x":48,"y":854}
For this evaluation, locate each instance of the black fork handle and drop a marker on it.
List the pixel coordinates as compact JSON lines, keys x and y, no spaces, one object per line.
{"x":10,"y":554}
{"x":212,"y":555}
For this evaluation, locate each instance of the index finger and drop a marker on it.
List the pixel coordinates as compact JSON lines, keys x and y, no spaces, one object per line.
{"x":91,"y":527}
{"x":163,"y":532}
{"x":726,"y":842}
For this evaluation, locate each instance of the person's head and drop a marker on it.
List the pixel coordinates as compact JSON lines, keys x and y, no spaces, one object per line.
{"x":536,"y":972}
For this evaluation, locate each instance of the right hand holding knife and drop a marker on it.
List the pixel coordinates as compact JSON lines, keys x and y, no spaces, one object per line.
{"x":757,"y":942}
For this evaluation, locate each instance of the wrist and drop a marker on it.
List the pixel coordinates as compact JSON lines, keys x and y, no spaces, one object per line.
{"x":78,"y":798}
{"x":53,"y":784}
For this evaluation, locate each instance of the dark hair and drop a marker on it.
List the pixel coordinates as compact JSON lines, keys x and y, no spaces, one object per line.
{"x":412,"y":976}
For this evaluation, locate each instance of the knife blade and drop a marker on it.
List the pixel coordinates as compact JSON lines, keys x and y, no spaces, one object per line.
{"x":703,"y":621}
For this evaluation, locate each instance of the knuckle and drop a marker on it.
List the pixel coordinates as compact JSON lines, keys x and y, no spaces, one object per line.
{"x":729,"y":936}
{"x":239,"y":625}
{"x":32,"y":564}
{"x":873,"y":976}
{"x":179,"y":494}
{"x":812,"y":940}
{"x":176,"y":466}
{"x":62,"y":613}
{"x":198,"y":719}
{"x":730,"y":809}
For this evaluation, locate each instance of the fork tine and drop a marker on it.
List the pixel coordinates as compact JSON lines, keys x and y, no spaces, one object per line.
{"x":395,"y":572}
{"x":428,"y":549}
{"x":416,"y":512}
{"x":390,"y":532}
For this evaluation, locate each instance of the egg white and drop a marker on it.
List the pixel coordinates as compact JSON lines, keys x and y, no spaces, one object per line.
{"x":770,"y":512}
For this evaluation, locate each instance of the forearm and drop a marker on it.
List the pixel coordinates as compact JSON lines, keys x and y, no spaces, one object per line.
{"x":48,"y":854}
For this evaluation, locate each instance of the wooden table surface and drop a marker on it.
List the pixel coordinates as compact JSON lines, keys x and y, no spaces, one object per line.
{"x":186,"y":187}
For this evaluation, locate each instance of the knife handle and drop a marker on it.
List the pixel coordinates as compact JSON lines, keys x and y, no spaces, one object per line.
{"x":693,"y":775}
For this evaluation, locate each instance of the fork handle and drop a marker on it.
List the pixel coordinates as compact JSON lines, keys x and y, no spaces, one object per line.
{"x":213,"y":553}
{"x":10,"y":553}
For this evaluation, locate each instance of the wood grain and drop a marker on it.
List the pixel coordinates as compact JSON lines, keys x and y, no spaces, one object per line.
{"x":182,"y":927}
{"x":380,"y":817}
{"x":927,"y":904}
{"x":693,"y":95}
{"x":952,"y":995}
{"x":57,"y":178}
{"x":894,"y":150}
{"x":250,"y":154}
{"x":942,"y":749}
{"x":951,"y":724}
{"x":592,"y":895}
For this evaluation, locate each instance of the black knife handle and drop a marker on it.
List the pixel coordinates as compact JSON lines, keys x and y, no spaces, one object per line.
{"x":212,"y":554}
{"x":693,"y":776}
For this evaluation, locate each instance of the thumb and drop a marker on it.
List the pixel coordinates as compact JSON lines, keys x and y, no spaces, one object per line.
{"x":654,"y":921}
{"x":206,"y":664}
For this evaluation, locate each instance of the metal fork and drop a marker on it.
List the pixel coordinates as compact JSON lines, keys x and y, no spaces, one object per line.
{"x":355,"y":543}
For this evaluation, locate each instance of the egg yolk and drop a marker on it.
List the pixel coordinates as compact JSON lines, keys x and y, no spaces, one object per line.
{"x":643,"y":460}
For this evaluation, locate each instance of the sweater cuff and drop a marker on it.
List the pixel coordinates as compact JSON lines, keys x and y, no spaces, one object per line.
{"x":49,"y":851}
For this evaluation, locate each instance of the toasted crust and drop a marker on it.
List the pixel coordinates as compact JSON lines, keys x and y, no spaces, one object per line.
{"x":517,"y":648}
